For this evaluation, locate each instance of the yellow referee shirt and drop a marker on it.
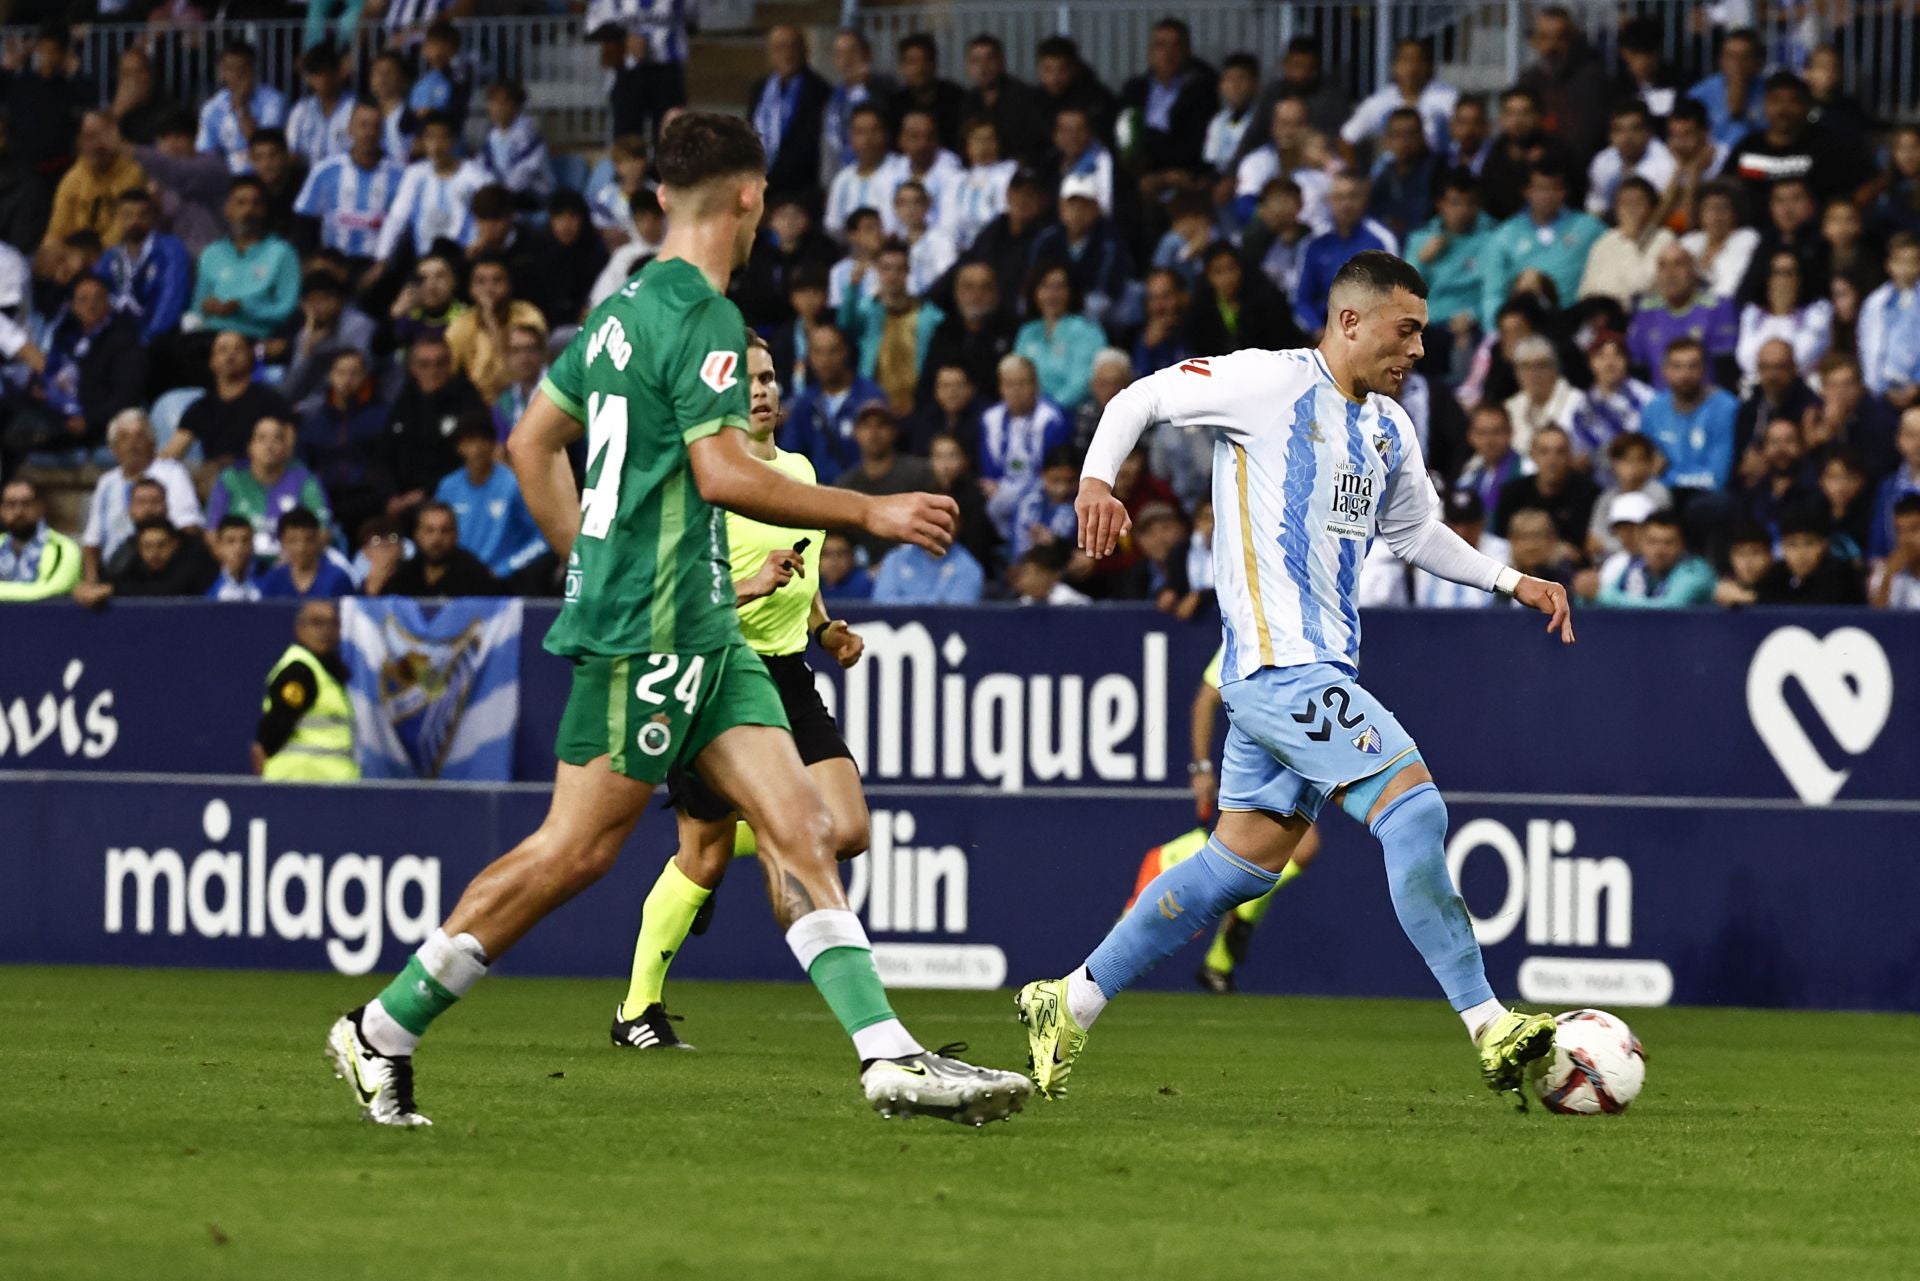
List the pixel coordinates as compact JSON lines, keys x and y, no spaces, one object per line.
{"x":776,"y":624}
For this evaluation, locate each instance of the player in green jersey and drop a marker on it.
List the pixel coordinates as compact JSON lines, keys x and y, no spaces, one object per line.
{"x":775,"y":570}
{"x":661,"y":677}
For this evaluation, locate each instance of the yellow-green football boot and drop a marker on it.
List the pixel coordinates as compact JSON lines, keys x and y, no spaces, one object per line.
{"x":1054,"y":1040}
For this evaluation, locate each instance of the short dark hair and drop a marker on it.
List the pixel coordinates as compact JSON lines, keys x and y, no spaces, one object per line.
{"x":1666,"y":518}
{"x":1806,"y":520}
{"x":1747,"y":532}
{"x":1641,"y":35}
{"x":859,"y":37}
{"x":1061,"y":456}
{"x":135,"y":196}
{"x":1461,"y":179}
{"x":894,"y":245}
{"x":1685,"y":342}
{"x":491,"y":201}
{"x":1630,"y":107}
{"x":240,"y":49}
{"x":1788,"y":82}
{"x":296,"y":518}
{"x":872,"y":109}
{"x":320,"y":59}
{"x":321,"y":282}
{"x":990,"y":40}
{"x":1552,"y":168}
{"x":435,"y":505}
{"x":1057,"y":47}
{"x":143,"y":482}
{"x":1242,"y":61}
{"x":918,"y":40}
{"x":231,"y":521}
{"x":1178,"y":28}
{"x":1520,"y":91}
{"x":1407,"y":113}
{"x":1629,"y":442}
{"x":272,"y":135}
{"x":808,"y":275}
{"x":516,"y":92}
{"x":1907,"y":505}
{"x":240,"y":181}
{"x":1634,"y":182}
{"x":1304,"y":44}
{"x":1475,"y":100}
{"x":1747,"y":34}
{"x":475,"y":424}
{"x":702,"y":145}
{"x":1691,"y":110}
{"x":155,"y":522}
{"x":860,"y":215}
{"x":438,"y":120}
{"x":1381,"y":272}
{"x":565,"y":200}
{"x":444,"y":30}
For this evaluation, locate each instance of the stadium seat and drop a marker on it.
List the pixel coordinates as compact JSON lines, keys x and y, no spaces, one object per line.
{"x":166,"y":414}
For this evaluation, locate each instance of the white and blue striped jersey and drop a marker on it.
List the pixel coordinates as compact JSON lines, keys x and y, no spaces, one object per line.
{"x":402,"y":15}
{"x":350,"y":202}
{"x":395,"y":138}
{"x":430,"y":205}
{"x":852,"y":190}
{"x":1303,"y":479}
{"x":942,"y":181}
{"x":663,"y":23}
{"x":315,"y":133}
{"x":220,"y":127}
{"x":977,"y":199}
{"x":516,"y":157}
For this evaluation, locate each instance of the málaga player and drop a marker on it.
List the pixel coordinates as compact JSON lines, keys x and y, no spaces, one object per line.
{"x":1312,"y":458}
{"x":661,"y":677}
{"x":775,"y":570}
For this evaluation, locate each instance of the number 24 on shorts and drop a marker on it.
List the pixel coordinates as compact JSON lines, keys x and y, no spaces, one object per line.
{"x":686,"y":691}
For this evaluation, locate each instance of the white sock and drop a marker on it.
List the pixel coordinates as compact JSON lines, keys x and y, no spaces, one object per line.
{"x":1085,"y":1000}
{"x":1480,"y":1015}
{"x":384,"y":1034}
{"x":887,"y":1039}
{"x":456,"y":963}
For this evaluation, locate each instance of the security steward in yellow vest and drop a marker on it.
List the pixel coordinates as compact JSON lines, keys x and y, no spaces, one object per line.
{"x":305,"y":733}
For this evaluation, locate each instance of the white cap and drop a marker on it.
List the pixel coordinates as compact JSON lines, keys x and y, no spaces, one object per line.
{"x":1629,"y":509}
{"x":1080,"y":184}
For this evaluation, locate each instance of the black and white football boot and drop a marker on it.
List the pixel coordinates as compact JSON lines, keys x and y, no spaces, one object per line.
{"x":653,"y":1030}
{"x":382,"y":1084}
{"x":936,"y":1084}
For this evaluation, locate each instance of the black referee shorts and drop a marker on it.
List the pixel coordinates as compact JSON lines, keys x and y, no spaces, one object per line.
{"x":814,"y":733}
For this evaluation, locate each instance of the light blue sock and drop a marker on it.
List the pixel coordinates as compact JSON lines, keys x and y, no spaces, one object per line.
{"x":1187,"y":898}
{"x":1413,"y":833}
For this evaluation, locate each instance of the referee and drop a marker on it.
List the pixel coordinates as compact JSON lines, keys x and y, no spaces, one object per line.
{"x":774,"y":575}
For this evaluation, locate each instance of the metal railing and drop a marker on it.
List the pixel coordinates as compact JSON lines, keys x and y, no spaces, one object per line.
{"x":1478,"y":45}
{"x":550,"y":55}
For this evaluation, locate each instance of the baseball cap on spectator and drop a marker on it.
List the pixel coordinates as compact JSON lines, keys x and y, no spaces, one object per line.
{"x":1747,"y":532}
{"x":1463,"y":507}
{"x":1081,"y":186}
{"x":1027,"y":178}
{"x":873,"y":409}
{"x":1629,"y":509}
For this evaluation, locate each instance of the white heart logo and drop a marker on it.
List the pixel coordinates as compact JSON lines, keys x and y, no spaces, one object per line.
{"x":1846,"y":678}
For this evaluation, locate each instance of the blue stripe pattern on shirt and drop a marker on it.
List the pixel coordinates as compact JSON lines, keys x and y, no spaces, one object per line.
{"x":1350,"y":548}
{"x":1296,"y":538}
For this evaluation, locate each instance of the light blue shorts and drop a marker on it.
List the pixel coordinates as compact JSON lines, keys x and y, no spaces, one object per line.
{"x":1296,"y":735}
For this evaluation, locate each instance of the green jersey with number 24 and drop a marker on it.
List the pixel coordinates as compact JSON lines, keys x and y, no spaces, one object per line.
{"x":656,"y":367}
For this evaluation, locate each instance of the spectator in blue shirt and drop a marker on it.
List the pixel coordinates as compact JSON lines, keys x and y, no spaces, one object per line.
{"x":248,"y":282}
{"x":304,"y":571}
{"x":1732,"y":96}
{"x":443,"y":84}
{"x":911,"y":575}
{"x":1660,"y":574}
{"x":493,"y":519}
{"x":149,"y":273}
{"x":1015,"y":434}
{"x":229,"y":118}
{"x":842,"y":576}
{"x":1405,"y":176}
{"x":820,"y":421}
{"x":1889,"y":328}
{"x":1692,"y":422}
{"x":1900,"y":484}
{"x":1045,"y":514}
{"x":1324,"y":255}
{"x":1546,"y":235}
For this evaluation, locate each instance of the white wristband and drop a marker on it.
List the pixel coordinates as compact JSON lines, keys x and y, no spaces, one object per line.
{"x":1507,"y":581}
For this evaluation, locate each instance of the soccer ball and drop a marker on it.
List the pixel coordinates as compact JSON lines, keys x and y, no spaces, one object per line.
{"x":1598,"y":1065}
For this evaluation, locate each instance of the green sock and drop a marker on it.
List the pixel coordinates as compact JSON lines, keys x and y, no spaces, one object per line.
{"x":664,"y":921}
{"x":848,"y":980}
{"x":415,"y":998}
{"x":436,"y":976}
{"x":744,"y":844}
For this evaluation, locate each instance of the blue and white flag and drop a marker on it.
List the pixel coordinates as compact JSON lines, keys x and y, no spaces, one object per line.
{"x":435,"y":695}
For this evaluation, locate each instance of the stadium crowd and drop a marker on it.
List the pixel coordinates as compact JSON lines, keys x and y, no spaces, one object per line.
{"x":1674,"y":355}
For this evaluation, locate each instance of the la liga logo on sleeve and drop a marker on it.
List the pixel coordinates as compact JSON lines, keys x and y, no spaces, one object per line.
{"x":716,"y":371}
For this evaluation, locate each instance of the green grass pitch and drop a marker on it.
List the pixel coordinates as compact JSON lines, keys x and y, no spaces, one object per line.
{"x":182,"y":1124}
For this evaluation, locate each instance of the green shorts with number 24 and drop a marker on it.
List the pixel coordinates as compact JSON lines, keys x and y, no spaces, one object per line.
{"x":651,"y":713}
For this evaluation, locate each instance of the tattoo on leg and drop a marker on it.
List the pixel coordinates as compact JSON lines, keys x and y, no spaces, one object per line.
{"x":790,"y":898}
